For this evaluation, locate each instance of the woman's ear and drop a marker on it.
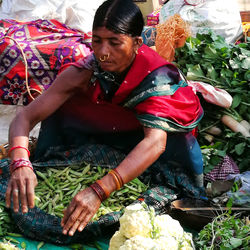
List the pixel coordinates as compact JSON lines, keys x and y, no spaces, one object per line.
{"x":138,"y":43}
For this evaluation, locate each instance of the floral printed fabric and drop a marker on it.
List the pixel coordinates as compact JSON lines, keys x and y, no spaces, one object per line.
{"x":46,"y":46}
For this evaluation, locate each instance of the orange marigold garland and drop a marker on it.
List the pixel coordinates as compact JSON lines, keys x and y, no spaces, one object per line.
{"x":170,"y":35}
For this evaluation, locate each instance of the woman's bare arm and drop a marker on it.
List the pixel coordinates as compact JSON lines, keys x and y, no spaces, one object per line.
{"x":23,"y":180}
{"x":64,"y":86}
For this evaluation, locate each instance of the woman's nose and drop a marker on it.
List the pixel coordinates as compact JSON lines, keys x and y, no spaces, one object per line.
{"x":104,"y":50}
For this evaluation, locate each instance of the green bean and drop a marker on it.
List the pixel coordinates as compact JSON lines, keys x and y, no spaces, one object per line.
{"x":23,"y":245}
{"x":73,"y":172}
{"x":44,"y":205}
{"x":14,"y":235}
{"x":76,"y":190}
{"x":40,"y":245}
{"x":86,"y":169}
{"x":40,"y":174}
{"x":11,"y":239}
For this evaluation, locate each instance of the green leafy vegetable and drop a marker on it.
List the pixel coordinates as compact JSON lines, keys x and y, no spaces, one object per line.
{"x":208,"y":58}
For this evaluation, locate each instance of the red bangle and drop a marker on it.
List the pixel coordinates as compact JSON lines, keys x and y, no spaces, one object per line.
{"x":19,"y":163}
{"x":107,"y":193}
{"x":99,"y":191}
{"x":13,"y":148}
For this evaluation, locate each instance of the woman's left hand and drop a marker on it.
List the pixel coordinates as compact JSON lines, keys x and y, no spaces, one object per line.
{"x":80,"y":211}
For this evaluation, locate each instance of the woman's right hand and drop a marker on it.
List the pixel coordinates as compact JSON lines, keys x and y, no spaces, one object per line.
{"x":21,"y":188}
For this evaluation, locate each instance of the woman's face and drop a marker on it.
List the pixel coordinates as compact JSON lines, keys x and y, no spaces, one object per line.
{"x":115,"y":52}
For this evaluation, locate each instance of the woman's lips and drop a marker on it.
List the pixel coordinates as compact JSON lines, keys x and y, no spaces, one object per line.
{"x":106,"y":64}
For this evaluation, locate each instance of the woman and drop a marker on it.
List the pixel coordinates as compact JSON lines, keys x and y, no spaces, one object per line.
{"x":129,"y":98}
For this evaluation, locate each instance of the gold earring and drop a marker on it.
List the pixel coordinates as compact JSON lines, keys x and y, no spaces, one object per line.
{"x":136,"y":51}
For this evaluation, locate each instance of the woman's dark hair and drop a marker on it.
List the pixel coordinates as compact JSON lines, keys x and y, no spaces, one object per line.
{"x":119,"y":16}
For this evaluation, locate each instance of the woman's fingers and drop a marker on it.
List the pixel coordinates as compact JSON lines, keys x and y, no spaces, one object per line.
{"x":82,"y":208}
{"x":30,"y":194}
{"x":21,"y":188}
{"x":80,"y":222}
{"x":84,"y":221}
{"x":15,"y":197}
{"x":67,"y":213}
{"x":23,"y":197}
{"x":71,"y":220}
{"x":8,"y":195}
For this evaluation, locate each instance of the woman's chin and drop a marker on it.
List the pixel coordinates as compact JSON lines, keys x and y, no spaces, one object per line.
{"x":107,"y":66}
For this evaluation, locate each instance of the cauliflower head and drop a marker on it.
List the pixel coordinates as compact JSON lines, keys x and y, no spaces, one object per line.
{"x":140,"y":243}
{"x":8,"y":246}
{"x":116,"y":241}
{"x":187,"y":242}
{"x":167,"y":226}
{"x":135,"y":221}
{"x":167,"y":242}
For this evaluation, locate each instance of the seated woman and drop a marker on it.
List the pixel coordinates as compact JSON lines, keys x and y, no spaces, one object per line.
{"x":124,"y":95}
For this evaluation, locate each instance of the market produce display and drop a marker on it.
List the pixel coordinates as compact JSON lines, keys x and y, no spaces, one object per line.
{"x":225,"y":232}
{"x":57,"y":187}
{"x":6,"y":224}
{"x":208,"y":58}
{"x":142,"y":229}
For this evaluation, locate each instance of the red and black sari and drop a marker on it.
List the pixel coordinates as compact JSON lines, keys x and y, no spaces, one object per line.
{"x":151,"y":95}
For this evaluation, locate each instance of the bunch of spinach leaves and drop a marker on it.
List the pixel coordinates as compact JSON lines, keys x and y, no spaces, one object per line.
{"x":208,"y":58}
{"x":224,"y":232}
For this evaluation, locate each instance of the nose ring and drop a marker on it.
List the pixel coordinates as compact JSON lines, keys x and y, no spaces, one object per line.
{"x":104,"y":58}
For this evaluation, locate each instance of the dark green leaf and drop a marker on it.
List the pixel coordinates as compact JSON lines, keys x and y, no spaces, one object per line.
{"x":239,"y":148}
{"x":235,"y":63}
{"x":226,"y":73}
{"x":236,"y":101}
{"x":210,"y":52}
{"x":211,"y":73}
{"x":247,"y":75}
{"x":245,"y":52}
{"x":195,"y":72}
{"x":235,"y":242}
{"x":215,"y":160}
{"x":246,"y":63}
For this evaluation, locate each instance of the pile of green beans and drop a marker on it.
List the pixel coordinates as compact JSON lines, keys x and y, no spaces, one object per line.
{"x":57,"y":186}
{"x":6,"y":224}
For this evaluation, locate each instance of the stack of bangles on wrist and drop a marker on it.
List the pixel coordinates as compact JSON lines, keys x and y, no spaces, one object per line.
{"x":101,"y":190}
{"x":19,"y":163}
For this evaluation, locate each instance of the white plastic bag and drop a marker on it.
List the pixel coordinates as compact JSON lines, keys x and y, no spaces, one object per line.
{"x":28,"y":10}
{"x":219,"y":97}
{"x":78,"y":14}
{"x":223,"y":17}
{"x":74,"y":13}
{"x":7,"y":113}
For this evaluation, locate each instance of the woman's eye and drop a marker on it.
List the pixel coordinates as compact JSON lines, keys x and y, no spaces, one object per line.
{"x":115,"y":43}
{"x":96,"y":41}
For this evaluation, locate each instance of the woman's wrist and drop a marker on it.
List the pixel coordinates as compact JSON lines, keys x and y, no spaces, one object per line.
{"x":17,"y":152}
{"x":105,"y":186}
{"x":20,"y":163}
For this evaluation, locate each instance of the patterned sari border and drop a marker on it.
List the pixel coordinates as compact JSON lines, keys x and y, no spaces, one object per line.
{"x":160,"y":90}
{"x":165,"y":124}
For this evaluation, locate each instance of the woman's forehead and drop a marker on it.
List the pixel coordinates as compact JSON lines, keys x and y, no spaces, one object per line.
{"x":103,"y":32}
